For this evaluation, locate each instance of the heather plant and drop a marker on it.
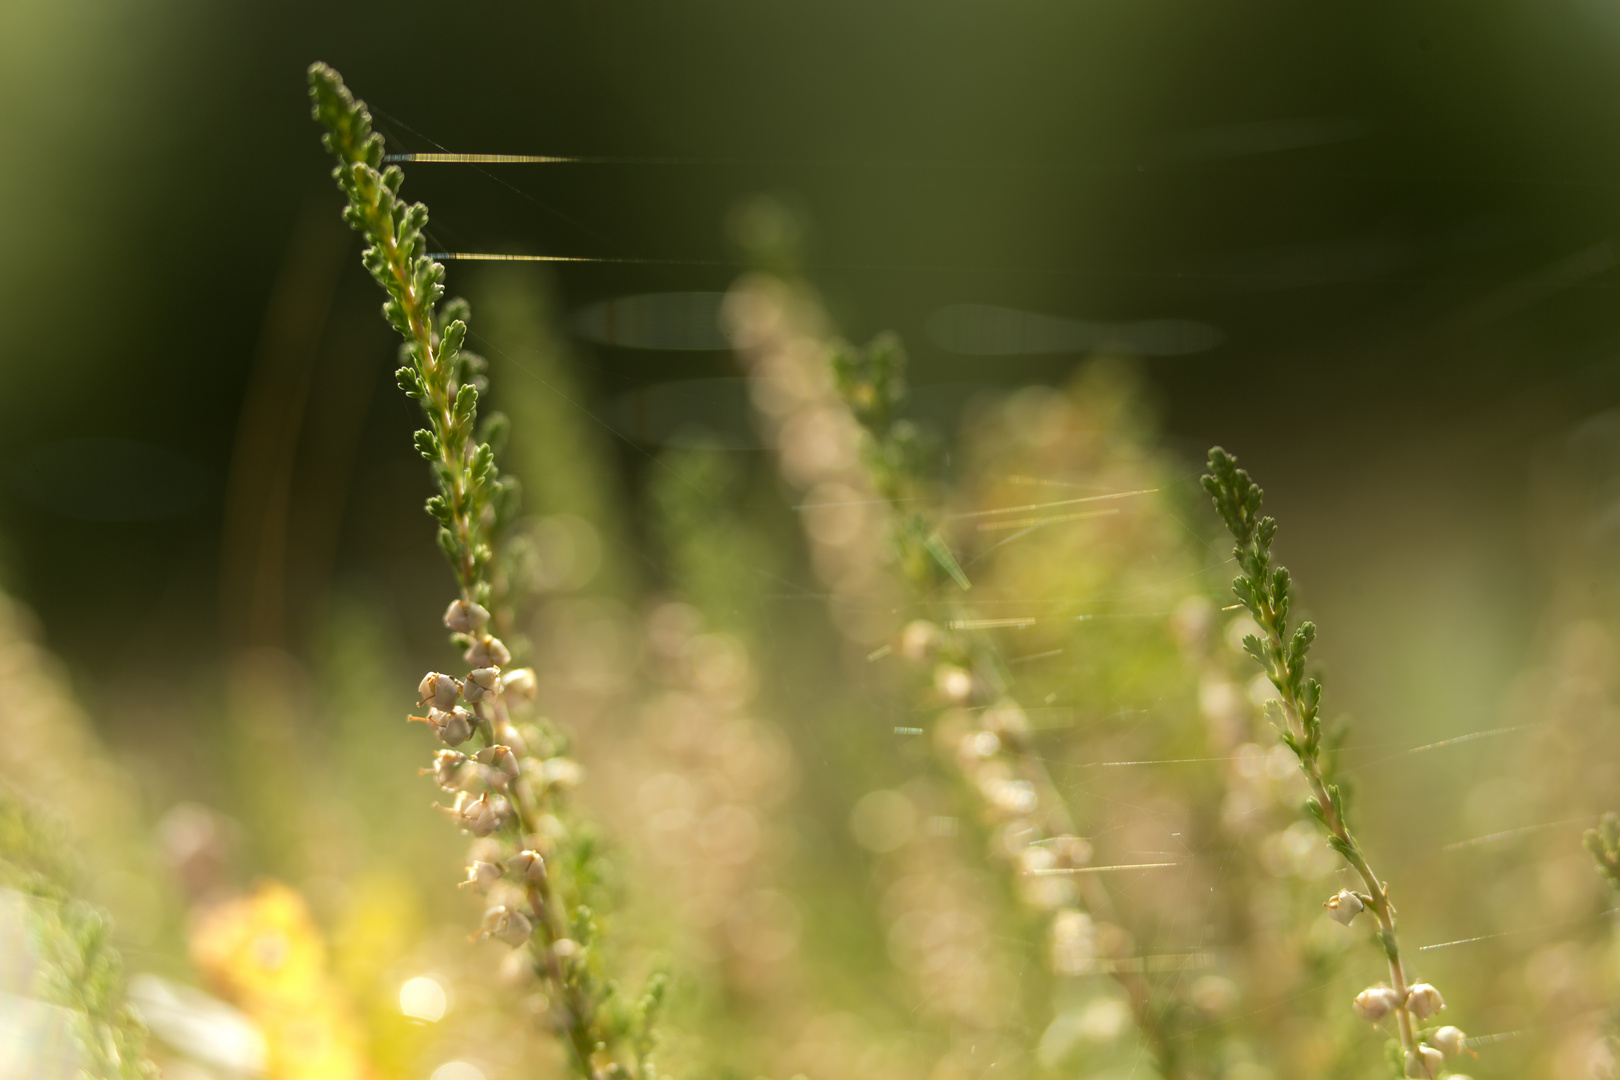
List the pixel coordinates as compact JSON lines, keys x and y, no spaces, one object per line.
{"x":982,"y":727}
{"x":1282,"y":649}
{"x":536,"y":866}
{"x":1143,"y":712}
{"x":871,"y":510}
{"x":571,"y":538}
{"x":941,"y":917}
{"x":707,"y":778}
{"x":59,"y":956}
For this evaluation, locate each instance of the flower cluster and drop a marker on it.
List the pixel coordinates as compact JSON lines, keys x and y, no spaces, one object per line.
{"x":1422,"y":1001}
{"x":841,"y":435}
{"x":779,"y":333}
{"x":509,"y":796}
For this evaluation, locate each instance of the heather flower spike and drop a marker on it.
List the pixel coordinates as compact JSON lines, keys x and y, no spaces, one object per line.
{"x":996,"y":759}
{"x":1266,"y":591}
{"x":472,"y":506}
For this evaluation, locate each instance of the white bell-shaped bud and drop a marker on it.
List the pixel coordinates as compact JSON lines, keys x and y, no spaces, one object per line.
{"x":527,"y":866}
{"x":482,"y":875}
{"x":502,"y":764}
{"x":508,"y":925}
{"x":1451,"y":1040}
{"x":447,"y":768}
{"x":1375,"y":1003}
{"x":453,"y":727}
{"x":464,"y":617}
{"x":439,"y":690}
{"x":482,"y":683}
{"x":919,"y":640}
{"x":520,"y":683}
{"x":1344,"y":906}
{"x":480,"y":816}
{"x":954,"y":684}
{"x":562,"y":773}
{"x":1424,"y":1062}
{"x":1424,"y":1000}
{"x":487,"y":651}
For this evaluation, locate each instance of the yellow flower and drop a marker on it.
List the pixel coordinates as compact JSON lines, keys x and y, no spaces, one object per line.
{"x":264,"y":953}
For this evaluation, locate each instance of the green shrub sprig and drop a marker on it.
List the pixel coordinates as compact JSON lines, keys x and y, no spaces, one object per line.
{"x":541,"y":870}
{"x":1266,"y":592}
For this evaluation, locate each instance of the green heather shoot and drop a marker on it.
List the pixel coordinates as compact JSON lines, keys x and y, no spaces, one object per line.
{"x":1266,"y":592}
{"x":510,"y":793}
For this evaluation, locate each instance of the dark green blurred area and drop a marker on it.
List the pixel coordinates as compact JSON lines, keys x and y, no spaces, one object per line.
{"x":1397,"y":218}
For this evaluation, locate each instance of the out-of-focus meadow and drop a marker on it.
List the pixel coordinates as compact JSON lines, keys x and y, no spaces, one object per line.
{"x":1370,"y":252}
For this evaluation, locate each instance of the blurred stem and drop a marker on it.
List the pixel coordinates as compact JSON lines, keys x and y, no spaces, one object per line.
{"x":871,"y":383}
{"x":1060,"y":822}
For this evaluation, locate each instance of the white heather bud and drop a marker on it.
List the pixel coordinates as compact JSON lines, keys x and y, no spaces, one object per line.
{"x":507,"y":924}
{"x":1074,"y":942}
{"x":528,"y":866}
{"x":508,"y":734}
{"x":484,"y":682}
{"x":480,"y":816}
{"x":465,"y":617}
{"x":1036,"y":858}
{"x":453,"y":728}
{"x":1424,"y":1000}
{"x":1424,"y":1062}
{"x":566,"y":948}
{"x":482,"y":875}
{"x":486,"y":651}
{"x":1071,"y":851}
{"x":519,"y":683}
{"x":561,"y":772}
{"x":918,"y":640}
{"x":1450,"y":1040}
{"x":953,"y":683}
{"x":1006,"y":719}
{"x":439,"y":690}
{"x":1344,"y":906}
{"x":447,"y":766}
{"x":1014,"y":797}
{"x":1375,"y":1003}
{"x":501,"y":759}
{"x":983,"y":744}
